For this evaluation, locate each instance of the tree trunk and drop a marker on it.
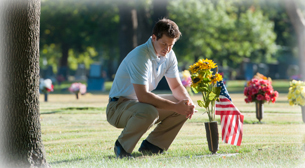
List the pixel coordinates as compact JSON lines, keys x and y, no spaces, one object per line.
{"x":159,"y":10}
{"x":64,"y":52}
{"x":301,"y":44}
{"x":196,"y":58}
{"x":63,"y":65}
{"x":144,"y":24}
{"x":110,"y":67}
{"x":128,"y":28}
{"x":298,"y":22}
{"x":21,"y":144}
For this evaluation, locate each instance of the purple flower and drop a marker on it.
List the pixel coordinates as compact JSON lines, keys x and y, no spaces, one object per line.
{"x":78,"y":88}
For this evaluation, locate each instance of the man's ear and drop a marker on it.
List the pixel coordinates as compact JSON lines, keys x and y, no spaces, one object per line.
{"x":154,"y":37}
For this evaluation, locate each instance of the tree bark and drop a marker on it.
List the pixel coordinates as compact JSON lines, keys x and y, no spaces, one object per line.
{"x":128,"y":28}
{"x":21,"y":144}
{"x":298,"y":22}
{"x":159,"y":10}
{"x":144,"y":24}
{"x":112,"y":64}
{"x":63,"y":65}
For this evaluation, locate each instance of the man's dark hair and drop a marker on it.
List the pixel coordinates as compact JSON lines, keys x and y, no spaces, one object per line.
{"x":167,"y":27}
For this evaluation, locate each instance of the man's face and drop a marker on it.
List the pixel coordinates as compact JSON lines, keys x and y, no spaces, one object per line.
{"x":163,"y":45}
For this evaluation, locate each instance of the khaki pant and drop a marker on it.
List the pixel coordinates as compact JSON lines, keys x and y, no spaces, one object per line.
{"x":136,"y":118}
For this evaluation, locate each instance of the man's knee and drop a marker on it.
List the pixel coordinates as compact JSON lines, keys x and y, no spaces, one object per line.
{"x":147,"y":111}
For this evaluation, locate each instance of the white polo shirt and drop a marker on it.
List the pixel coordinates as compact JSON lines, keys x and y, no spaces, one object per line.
{"x":142,"y":66}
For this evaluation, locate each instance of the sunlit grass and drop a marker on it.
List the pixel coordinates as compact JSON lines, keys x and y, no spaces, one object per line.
{"x":75,"y":133}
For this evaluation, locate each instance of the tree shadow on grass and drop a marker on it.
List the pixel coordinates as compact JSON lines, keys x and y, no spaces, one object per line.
{"x":254,"y":122}
{"x":139,"y":154}
{"x":73,"y":108}
{"x":66,"y":161}
{"x":72,"y":161}
{"x":259,"y":122}
{"x":52,"y":112}
{"x":135,"y":155}
{"x":83,"y":108}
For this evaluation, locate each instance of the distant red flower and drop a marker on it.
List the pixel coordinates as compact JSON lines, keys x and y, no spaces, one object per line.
{"x":248,"y":99}
{"x":260,"y":97}
{"x":275,"y":94}
{"x":267,"y":97}
{"x":45,"y":85}
{"x":50,"y":89}
{"x":254,"y":90}
{"x":245,"y":90}
{"x":263,"y":82}
{"x":259,"y":89}
{"x":273,"y":99}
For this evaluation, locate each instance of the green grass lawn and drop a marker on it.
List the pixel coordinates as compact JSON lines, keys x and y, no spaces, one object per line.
{"x":75,"y":133}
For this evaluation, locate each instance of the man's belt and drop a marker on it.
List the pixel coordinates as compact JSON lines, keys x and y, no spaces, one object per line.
{"x":112,"y":99}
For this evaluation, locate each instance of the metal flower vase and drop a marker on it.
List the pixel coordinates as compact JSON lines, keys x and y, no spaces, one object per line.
{"x":259,"y":110}
{"x":45,"y":97}
{"x":211,"y":129}
{"x":77,"y":95}
{"x":303,"y":113}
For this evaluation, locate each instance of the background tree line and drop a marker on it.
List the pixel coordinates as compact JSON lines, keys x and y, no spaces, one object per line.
{"x":227,"y":31}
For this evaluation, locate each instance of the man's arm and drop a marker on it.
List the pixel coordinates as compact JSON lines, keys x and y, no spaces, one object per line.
{"x":144,"y":96}
{"x":179,"y":92}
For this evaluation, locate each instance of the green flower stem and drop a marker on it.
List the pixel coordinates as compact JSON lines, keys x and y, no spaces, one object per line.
{"x":213,"y":110}
{"x":204,"y":100}
{"x":211,"y":107}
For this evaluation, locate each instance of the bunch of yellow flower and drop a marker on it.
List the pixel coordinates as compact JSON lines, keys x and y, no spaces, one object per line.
{"x":202,"y":75}
{"x":204,"y":81}
{"x":296,"y":94}
{"x":202,"y":65}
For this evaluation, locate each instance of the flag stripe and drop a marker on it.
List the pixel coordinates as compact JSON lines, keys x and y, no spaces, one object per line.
{"x":224,"y":105}
{"x":241,"y":129}
{"x":237,"y":130}
{"x":223,"y":100}
{"x":226,"y":112}
{"x":230,"y":126}
{"x":236,"y":134}
{"x":224,"y":130}
{"x":231,"y":118}
{"x":238,"y":140}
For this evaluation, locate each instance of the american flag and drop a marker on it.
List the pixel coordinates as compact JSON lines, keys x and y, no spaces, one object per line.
{"x":230,"y":117}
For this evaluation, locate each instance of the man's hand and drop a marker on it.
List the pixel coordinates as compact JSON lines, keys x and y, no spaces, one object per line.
{"x":194,"y":110}
{"x":185,"y":107}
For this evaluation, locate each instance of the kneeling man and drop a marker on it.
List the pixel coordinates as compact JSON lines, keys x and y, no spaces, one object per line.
{"x":133,"y":107}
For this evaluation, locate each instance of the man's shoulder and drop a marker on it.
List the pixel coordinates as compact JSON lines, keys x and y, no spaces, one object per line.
{"x":172,"y":53}
{"x":171,"y":56}
{"x":140,"y":53}
{"x":140,"y":50}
